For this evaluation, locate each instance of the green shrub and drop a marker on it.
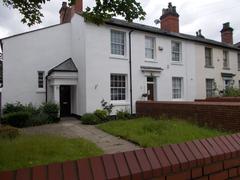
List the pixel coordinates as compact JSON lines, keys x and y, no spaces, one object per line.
{"x":51,"y":109}
{"x":16,"y":119}
{"x":8,"y":132}
{"x":31,"y":109}
{"x":231,"y":92}
{"x":38,"y":119}
{"x":123,"y":115}
{"x":13,"y":107}
{"x":102,"y":115}
{"x":90,"y":119}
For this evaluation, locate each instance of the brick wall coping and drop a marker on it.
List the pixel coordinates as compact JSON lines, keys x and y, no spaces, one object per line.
{"x":220,"y":99}
{"x":212,"y":157}
{"x":192,"y":103}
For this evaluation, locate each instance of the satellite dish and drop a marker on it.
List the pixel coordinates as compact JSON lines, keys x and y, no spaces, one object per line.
{"x":156,"y":21}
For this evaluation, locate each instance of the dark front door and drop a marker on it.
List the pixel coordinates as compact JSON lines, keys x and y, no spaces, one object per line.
{"x":65,"y":101}
{"x":150,"y":91}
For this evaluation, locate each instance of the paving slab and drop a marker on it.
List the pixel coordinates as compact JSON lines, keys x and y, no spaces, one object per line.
{"x":71,"y":127}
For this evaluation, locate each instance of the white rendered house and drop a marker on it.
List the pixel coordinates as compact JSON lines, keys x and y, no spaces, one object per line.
{"x":77,"y":64}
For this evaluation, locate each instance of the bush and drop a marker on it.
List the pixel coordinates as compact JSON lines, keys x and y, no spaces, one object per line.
{"x":90,"y":119}
{"x":38,"y":119}
{"x":16,"y":119}
{"x":231,"y":92}
{"x":8,"y":132}
{"x":123,"y":115}
{"x":13,"y":107}
{"x":51,"y":109}
{"x":102,"y":115}
{"x":31,"y":109}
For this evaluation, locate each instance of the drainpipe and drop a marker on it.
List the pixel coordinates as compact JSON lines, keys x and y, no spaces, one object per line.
{"x":130,"y":69}
{"x":46,"y":84}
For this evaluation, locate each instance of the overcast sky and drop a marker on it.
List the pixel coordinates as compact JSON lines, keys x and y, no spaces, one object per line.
{"x":194,"y":14}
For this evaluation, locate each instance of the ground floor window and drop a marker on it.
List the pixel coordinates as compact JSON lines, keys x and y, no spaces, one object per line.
{"x":118,"y":87}
{"x":228,"y":83}
{"x":40,"y":79}
{"x":177,"y":87}
{"x":210,"y":87}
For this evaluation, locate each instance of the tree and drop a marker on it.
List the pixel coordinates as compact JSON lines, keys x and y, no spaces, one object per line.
{"x":103,"y":10}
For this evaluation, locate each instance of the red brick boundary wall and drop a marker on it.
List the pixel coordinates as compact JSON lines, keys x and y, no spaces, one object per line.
{"x":213,"y":158}
{"x":223,"y":115}
{"x":219,"y":99}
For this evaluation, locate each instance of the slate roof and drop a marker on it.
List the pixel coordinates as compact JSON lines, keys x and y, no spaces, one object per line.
{"x":155,"y":30}
{"x":66,"y":66}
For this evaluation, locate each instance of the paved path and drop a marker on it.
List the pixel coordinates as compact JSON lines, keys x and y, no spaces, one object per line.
{"x":70,"y":127}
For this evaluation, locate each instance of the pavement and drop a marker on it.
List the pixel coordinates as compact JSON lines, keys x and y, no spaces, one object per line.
{"x":72,"y":128}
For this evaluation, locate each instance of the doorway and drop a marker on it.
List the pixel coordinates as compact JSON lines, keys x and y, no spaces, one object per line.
{"x":65,"y":101}
{"x":150,"y":88}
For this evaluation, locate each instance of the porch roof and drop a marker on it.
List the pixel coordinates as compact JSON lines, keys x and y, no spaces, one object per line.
{"x":66,"y":66}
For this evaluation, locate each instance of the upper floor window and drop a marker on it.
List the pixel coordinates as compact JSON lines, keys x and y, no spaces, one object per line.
{"x":177,"y":87}
{"x":225,"y":60}
{"x":118,"y":39}
{"x":149,"y":47}
{"x":40,"y":79}
{"x":118,"y":87}
{"x":210,"y":87}
{"x":176,"y":51}
{"x":239,"y":61}
{"x":208,"y":57}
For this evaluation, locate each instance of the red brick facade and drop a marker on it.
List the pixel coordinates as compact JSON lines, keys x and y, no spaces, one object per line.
{"x":170,"y":23}
{"x":210,"y":159}
{"x":227,"y":33}
{"x":223,"y":115}
{"x":227,"y":37}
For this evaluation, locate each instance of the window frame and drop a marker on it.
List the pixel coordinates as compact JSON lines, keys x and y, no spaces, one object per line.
{"x":118,"y":87}
{"x":42,"y":79}
{"x":226,"y":59}
{"x":176,"y":96}
{"x":179,"y":53}
{"x":208,"y":65}
{"x":149,"y":48}
{"x":124,"y":44}
{"x":211,"y":90}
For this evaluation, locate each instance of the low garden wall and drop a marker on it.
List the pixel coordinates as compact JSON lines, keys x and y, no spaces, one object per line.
{"x":219,"y":99}
{"x":213,"y":158}
{"x":222,"y":115}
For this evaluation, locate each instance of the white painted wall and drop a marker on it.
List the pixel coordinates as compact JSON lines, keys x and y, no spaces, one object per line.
{"x":100,"y":64}
{"x":26,"y":54}
{"x":203,"y":73}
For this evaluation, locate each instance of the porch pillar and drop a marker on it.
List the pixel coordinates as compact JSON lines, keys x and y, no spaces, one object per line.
{"x":56,"y":94}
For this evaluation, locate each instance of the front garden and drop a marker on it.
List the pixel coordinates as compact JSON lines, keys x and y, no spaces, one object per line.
{"x":148,"y":132}
{"x":27,"y":151}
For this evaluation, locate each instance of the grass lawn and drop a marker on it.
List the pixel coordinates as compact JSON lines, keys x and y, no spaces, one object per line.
{"x":25,"y":151}
{"x":148,"y":132}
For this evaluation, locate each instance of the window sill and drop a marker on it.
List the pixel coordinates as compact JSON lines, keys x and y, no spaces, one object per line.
{"x":118,"y":57}
{"x":180,"y":63}
{"x":40,"y":91}
{"x":211,"y":67}
{"x":150,"y":61}
{"x":226,"y":68}
{"x":120,"y":103}
{"x":180,"y":99}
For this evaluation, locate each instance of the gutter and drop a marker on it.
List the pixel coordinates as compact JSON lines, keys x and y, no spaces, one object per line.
{"x":130,"y":69}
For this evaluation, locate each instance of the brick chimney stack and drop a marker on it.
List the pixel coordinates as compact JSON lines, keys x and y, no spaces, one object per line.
{"x":227,"y":33}
{"x":170,"y":19}
{"x":66,"y":12}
